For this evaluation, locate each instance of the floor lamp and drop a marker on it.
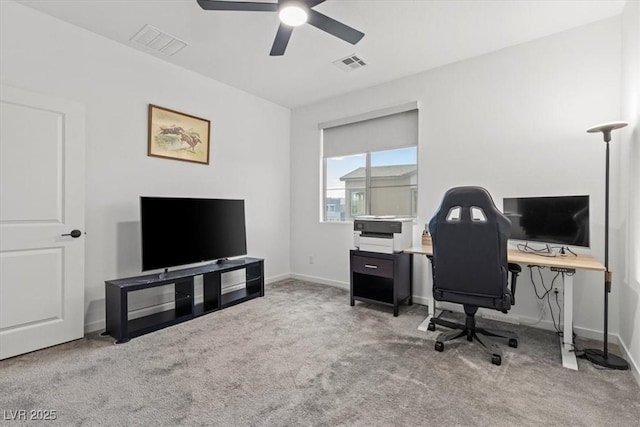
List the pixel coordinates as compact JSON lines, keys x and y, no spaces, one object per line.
{"x":602,"y":357}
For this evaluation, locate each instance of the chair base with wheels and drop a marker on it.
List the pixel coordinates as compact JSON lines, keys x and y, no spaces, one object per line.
{"x":472,"y":332}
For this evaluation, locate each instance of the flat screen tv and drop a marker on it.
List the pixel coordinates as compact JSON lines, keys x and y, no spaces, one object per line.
{"x":178,"y":231}
{"x":559,"y":219}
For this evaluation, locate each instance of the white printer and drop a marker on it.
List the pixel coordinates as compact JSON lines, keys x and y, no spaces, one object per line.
{"x":382,"y":234}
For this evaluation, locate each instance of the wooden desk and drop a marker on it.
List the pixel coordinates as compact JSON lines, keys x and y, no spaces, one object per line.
{"x":563,"y":264}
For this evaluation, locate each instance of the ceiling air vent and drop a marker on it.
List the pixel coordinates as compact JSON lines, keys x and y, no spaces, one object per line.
{"x":350,"y":63}
{"x":153,"y":39}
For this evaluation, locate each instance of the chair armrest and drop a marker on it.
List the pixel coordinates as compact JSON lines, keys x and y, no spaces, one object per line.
{"x":514,"y":269}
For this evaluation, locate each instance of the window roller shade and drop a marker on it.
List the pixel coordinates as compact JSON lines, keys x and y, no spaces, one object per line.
{"x":379,"y":134}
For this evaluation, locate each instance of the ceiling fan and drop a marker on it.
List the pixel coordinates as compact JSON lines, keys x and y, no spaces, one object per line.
{"x":292,"y":13}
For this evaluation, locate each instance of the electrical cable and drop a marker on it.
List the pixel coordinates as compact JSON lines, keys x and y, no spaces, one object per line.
{"x":535,"y":288}
{"x":553,"y":319}
{"x":540,"y":302}
{"x":558,"y":304}
{"x":545,"y":294}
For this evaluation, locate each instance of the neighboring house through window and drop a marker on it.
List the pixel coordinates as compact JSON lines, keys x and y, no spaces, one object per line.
{"x":356,"y":201}
{"x":392,"y":188}
{"x":334,"y":209}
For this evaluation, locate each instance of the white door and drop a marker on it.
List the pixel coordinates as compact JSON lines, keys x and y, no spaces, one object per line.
{"x":41,"y":199}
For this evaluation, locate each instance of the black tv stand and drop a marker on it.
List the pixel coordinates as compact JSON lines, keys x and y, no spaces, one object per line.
{"x":120,"y":327}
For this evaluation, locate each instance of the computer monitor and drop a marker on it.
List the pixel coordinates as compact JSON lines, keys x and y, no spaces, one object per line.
{"x":562,"y":220}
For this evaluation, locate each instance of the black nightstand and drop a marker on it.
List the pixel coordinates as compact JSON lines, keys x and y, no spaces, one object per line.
{"x":381,"y":278}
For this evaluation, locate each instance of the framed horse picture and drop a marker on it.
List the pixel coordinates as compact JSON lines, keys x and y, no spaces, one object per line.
{"x":178,"y":136}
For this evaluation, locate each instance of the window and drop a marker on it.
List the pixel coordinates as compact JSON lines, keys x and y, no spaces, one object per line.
{"x":371,"y":166}
{"x":414,"y":202}
{"x":357,"y":203}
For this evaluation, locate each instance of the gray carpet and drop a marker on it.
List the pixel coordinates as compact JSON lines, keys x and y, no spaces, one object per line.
{"x":302,"y":356}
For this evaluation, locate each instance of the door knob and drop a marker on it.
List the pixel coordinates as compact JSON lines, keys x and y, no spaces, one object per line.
{"x":74,"y":233}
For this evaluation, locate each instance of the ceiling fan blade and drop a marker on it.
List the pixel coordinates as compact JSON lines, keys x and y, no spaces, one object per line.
{"x":312,"y":3}
{"x":334,"y":27}
{"x":282,"y":40}
{"x":250,"y":6}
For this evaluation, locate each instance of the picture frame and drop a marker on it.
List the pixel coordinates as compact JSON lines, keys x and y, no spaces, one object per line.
{"x":178,"y":136}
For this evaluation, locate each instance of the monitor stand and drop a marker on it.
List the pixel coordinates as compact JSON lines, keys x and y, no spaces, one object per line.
{"x":546,"y":251}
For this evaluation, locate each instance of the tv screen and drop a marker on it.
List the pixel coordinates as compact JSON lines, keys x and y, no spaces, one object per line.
{"x":561,"y":219}
{"x":177,"y":231}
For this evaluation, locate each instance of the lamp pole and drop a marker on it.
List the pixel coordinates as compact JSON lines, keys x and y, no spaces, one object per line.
{"x":602,"y":357}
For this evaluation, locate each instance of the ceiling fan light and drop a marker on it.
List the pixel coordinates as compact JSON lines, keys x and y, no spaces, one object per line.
{"x":293,"y":15}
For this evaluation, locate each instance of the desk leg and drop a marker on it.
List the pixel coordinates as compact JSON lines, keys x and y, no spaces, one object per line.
{"x":432,"y":312}
{"x":566,"y":341}
{"x":432,"y":309}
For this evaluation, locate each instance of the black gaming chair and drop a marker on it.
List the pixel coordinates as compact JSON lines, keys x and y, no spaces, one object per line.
{"x":469,"y":264}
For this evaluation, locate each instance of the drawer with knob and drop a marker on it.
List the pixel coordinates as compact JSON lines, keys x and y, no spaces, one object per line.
{"x":372,"y":266}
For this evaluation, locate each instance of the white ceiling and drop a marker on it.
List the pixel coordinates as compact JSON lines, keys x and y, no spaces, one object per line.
{"x":402,"y":37}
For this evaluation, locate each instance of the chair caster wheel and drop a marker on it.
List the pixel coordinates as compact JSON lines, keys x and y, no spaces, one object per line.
{"x":431,"y":326}
{"x":439,"y":346}
{"x":496,"y":359}
{"x":513,"y":342}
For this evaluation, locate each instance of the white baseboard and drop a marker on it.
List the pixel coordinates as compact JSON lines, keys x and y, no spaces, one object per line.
{"x":323,"y":281}
{"x":228,"y":289}
{"x":633,"y":365}
{"x":97,"y":325}
{"x":420,"y":300}
{"x":101,"y":324}
{"x":274,"y":279}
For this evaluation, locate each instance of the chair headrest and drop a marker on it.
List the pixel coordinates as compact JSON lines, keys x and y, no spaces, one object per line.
{"x":469,"y":197}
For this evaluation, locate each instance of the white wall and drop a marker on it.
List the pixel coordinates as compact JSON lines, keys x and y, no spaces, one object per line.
{"x":512,"y":121}
{"x":249,"y":142}
{"x":626,"y":180}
